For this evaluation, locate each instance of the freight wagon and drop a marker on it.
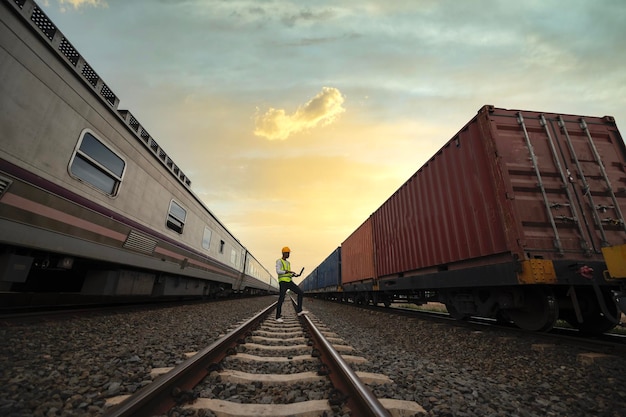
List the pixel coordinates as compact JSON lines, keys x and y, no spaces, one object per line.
{"x":326,"y":277}
{"x":509,"y":219}
{"x":90,"y":204}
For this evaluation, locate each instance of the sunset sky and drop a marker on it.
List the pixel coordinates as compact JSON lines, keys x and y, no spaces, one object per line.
{"x":296,"y":120}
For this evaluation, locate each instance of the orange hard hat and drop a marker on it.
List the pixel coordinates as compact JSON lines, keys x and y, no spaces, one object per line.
{"x":286,"y":249}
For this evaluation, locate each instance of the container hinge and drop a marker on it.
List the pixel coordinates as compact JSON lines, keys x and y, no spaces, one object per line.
{"x":567,"y":219}
{"x":613,"y":222}
{"x":603,"y":209}
{"x":559,"y":205}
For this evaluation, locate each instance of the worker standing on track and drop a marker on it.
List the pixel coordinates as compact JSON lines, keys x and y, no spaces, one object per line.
{"x":285,"y":275}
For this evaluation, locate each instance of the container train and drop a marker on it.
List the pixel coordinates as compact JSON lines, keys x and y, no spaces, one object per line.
{"x":518,"y":217}
{"x":91,"y":207}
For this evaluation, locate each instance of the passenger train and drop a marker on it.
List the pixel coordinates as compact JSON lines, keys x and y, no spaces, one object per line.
{"x":518,"y":217}
{"x":91,"y":207}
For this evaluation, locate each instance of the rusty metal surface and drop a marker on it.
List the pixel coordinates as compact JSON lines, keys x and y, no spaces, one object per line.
{"x":361,"y":401}
{"x":357,"y":255}
{"x":510,"y":184}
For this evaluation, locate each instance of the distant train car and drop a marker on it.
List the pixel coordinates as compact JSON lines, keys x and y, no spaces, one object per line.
{"x":309,"y":283}
{"x":326,"y":277}
{"x":508,"y":220}
{"x":89,"y":202}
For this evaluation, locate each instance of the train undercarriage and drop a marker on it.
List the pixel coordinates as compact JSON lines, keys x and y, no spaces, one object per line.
{"x":537,"y":307}
{"x":30,"y":278}
{"x":592,"y":310}
{"x":532,"y":295}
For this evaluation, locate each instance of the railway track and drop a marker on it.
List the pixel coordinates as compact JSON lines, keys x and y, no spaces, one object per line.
{"x":266,"y":368}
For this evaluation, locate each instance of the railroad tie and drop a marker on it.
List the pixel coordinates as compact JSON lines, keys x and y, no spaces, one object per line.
{"x":221,"y":408}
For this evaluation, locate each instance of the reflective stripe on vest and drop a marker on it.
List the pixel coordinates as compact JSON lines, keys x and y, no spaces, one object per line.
{"x":286,"y":267}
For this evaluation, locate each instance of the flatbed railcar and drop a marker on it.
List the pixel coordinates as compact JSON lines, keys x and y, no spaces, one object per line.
{"x":91,"y":207}
{"x":515,"y":217}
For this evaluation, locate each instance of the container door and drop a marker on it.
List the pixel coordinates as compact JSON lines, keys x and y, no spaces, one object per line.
{"x":595,"y":158}
{"x":561,"y":170}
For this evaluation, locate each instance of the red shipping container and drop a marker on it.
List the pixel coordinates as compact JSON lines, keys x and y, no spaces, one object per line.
{"x":357,"y":255}
{"x":509,"y":185}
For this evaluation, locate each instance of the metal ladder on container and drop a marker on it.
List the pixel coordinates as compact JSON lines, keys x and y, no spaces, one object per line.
{"x":533,"y":158}
{"x":567,"y":180}
{"x":586,"y":189}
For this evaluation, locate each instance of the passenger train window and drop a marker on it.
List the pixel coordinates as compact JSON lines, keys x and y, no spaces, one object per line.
{"x":96,"y":164}
{"x":176,"y":217}
{"x":206,"y":238}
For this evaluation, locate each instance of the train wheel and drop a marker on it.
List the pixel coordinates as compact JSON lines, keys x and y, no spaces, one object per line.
{"x":502,"y":318}
{"x":594,"y":321}
{"x":455,"y":313}
{"x":539,"y":313}
{"x":362,"y":300}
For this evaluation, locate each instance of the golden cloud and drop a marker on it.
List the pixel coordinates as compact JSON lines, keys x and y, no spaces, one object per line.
{"x":322,"y":110}
{"x":79,"y":3}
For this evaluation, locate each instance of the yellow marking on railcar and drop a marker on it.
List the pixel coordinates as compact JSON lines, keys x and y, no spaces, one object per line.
{"x":537,"y":271}
{"x":615,"y":258}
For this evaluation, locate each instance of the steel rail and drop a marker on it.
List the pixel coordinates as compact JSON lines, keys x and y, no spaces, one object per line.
{"x":360,"y":400}
{"x":158,"y":397}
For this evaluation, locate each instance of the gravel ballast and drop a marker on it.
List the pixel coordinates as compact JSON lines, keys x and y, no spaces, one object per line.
{"x":455,"y":371}
{"x":70,"y":367}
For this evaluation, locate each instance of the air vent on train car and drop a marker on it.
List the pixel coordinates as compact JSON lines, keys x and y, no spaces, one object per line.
{"x":139,"y":243}
{"x":44,"y":24}
{"x":107,"y":94}
{"x":68,"y":51}
{"x":4,"y":185}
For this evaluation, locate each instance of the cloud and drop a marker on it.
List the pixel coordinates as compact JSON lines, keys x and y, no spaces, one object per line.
{"x":322,"y":110}
{"x":76,"y":4}
{"x":306,"y":15}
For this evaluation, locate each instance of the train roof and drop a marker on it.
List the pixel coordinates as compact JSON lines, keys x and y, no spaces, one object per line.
{"x":38,"y":21}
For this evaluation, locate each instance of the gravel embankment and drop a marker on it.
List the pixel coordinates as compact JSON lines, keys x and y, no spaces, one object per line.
{"x":69,"y":367}
{"x":457,"y":372}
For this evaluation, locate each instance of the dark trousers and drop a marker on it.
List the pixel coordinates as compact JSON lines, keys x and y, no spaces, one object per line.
{"x":284,"y":286}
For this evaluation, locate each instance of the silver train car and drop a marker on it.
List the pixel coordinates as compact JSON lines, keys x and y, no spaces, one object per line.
{"x":90,"y":204}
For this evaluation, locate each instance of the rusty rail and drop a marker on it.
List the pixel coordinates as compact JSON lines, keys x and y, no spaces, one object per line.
{"x":360,"y":399}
